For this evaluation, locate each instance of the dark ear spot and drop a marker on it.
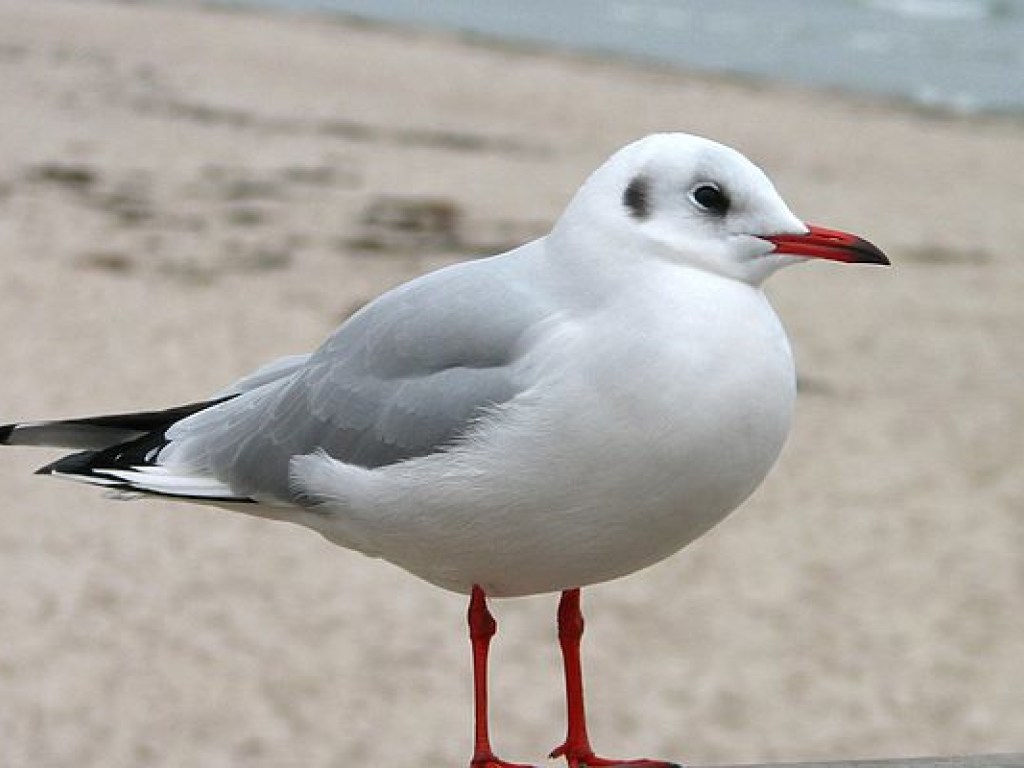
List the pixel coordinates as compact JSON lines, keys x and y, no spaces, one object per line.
{"x":636,"y":198}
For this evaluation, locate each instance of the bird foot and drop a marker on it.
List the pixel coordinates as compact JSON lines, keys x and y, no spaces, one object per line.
{"x":587,"y":759}
{"x":491,"y":761}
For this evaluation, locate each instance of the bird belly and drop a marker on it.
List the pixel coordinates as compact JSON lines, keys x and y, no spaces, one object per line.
{"x":549,"y":525}
{"x":643,"y":498}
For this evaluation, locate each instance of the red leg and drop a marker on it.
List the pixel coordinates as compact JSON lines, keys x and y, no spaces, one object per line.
{"x":482,"y":627}
{"x":576,"y":748}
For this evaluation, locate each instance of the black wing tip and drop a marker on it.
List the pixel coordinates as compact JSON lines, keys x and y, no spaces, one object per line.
{"x":101,"y":432}
{"x":72,"y":464}
{"x":87,"y":464}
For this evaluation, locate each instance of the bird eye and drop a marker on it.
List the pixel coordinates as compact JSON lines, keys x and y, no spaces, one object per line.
{"x":709,"y":197}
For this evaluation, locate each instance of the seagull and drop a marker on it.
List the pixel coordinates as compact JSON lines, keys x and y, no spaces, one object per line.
{"x":556,"y":416}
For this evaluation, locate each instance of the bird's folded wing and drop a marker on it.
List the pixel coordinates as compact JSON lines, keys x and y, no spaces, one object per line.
{"x":404,"y":377}
{"x":277,"y":369}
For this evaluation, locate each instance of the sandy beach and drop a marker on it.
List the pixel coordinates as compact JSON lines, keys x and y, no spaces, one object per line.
{"x":186,"y":193}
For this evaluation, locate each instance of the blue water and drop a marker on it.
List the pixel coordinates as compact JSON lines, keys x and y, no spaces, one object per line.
{"x":962,"y":55}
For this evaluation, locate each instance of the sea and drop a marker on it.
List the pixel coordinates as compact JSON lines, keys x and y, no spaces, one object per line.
{"x":962,"y":56}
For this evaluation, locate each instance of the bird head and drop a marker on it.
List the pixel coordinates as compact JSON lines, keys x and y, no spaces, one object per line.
{"x":692,"y":201}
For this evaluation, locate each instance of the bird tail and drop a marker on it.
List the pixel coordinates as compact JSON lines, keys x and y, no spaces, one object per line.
{"x":94,"y":433}
{"x":121,"y":452}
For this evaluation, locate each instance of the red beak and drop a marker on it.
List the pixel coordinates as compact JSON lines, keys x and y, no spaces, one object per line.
{"x":821,"y":243}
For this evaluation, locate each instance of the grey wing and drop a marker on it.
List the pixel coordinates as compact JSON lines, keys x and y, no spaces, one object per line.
{"x":404,"y":377}
{"x":278,"y":369}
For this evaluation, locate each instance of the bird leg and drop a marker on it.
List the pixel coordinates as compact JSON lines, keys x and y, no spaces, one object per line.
{"x":576,"y":748}
{"x":482,"y":627}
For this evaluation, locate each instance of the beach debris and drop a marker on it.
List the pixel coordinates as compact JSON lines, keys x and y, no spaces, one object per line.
{"x":75,"y":176}
{"x":129,"y":200}
{"x":114,"y":262}
{"x":405,"y":225}
{"x":408,"y":224}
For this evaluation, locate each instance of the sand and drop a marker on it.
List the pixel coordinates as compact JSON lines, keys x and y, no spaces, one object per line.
{"x":186,"y":193}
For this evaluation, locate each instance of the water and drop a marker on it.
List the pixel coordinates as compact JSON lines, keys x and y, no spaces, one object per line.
{"x":962,"y":55}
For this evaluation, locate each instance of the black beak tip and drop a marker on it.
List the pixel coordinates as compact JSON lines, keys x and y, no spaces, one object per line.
{"x":872,"y":254}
